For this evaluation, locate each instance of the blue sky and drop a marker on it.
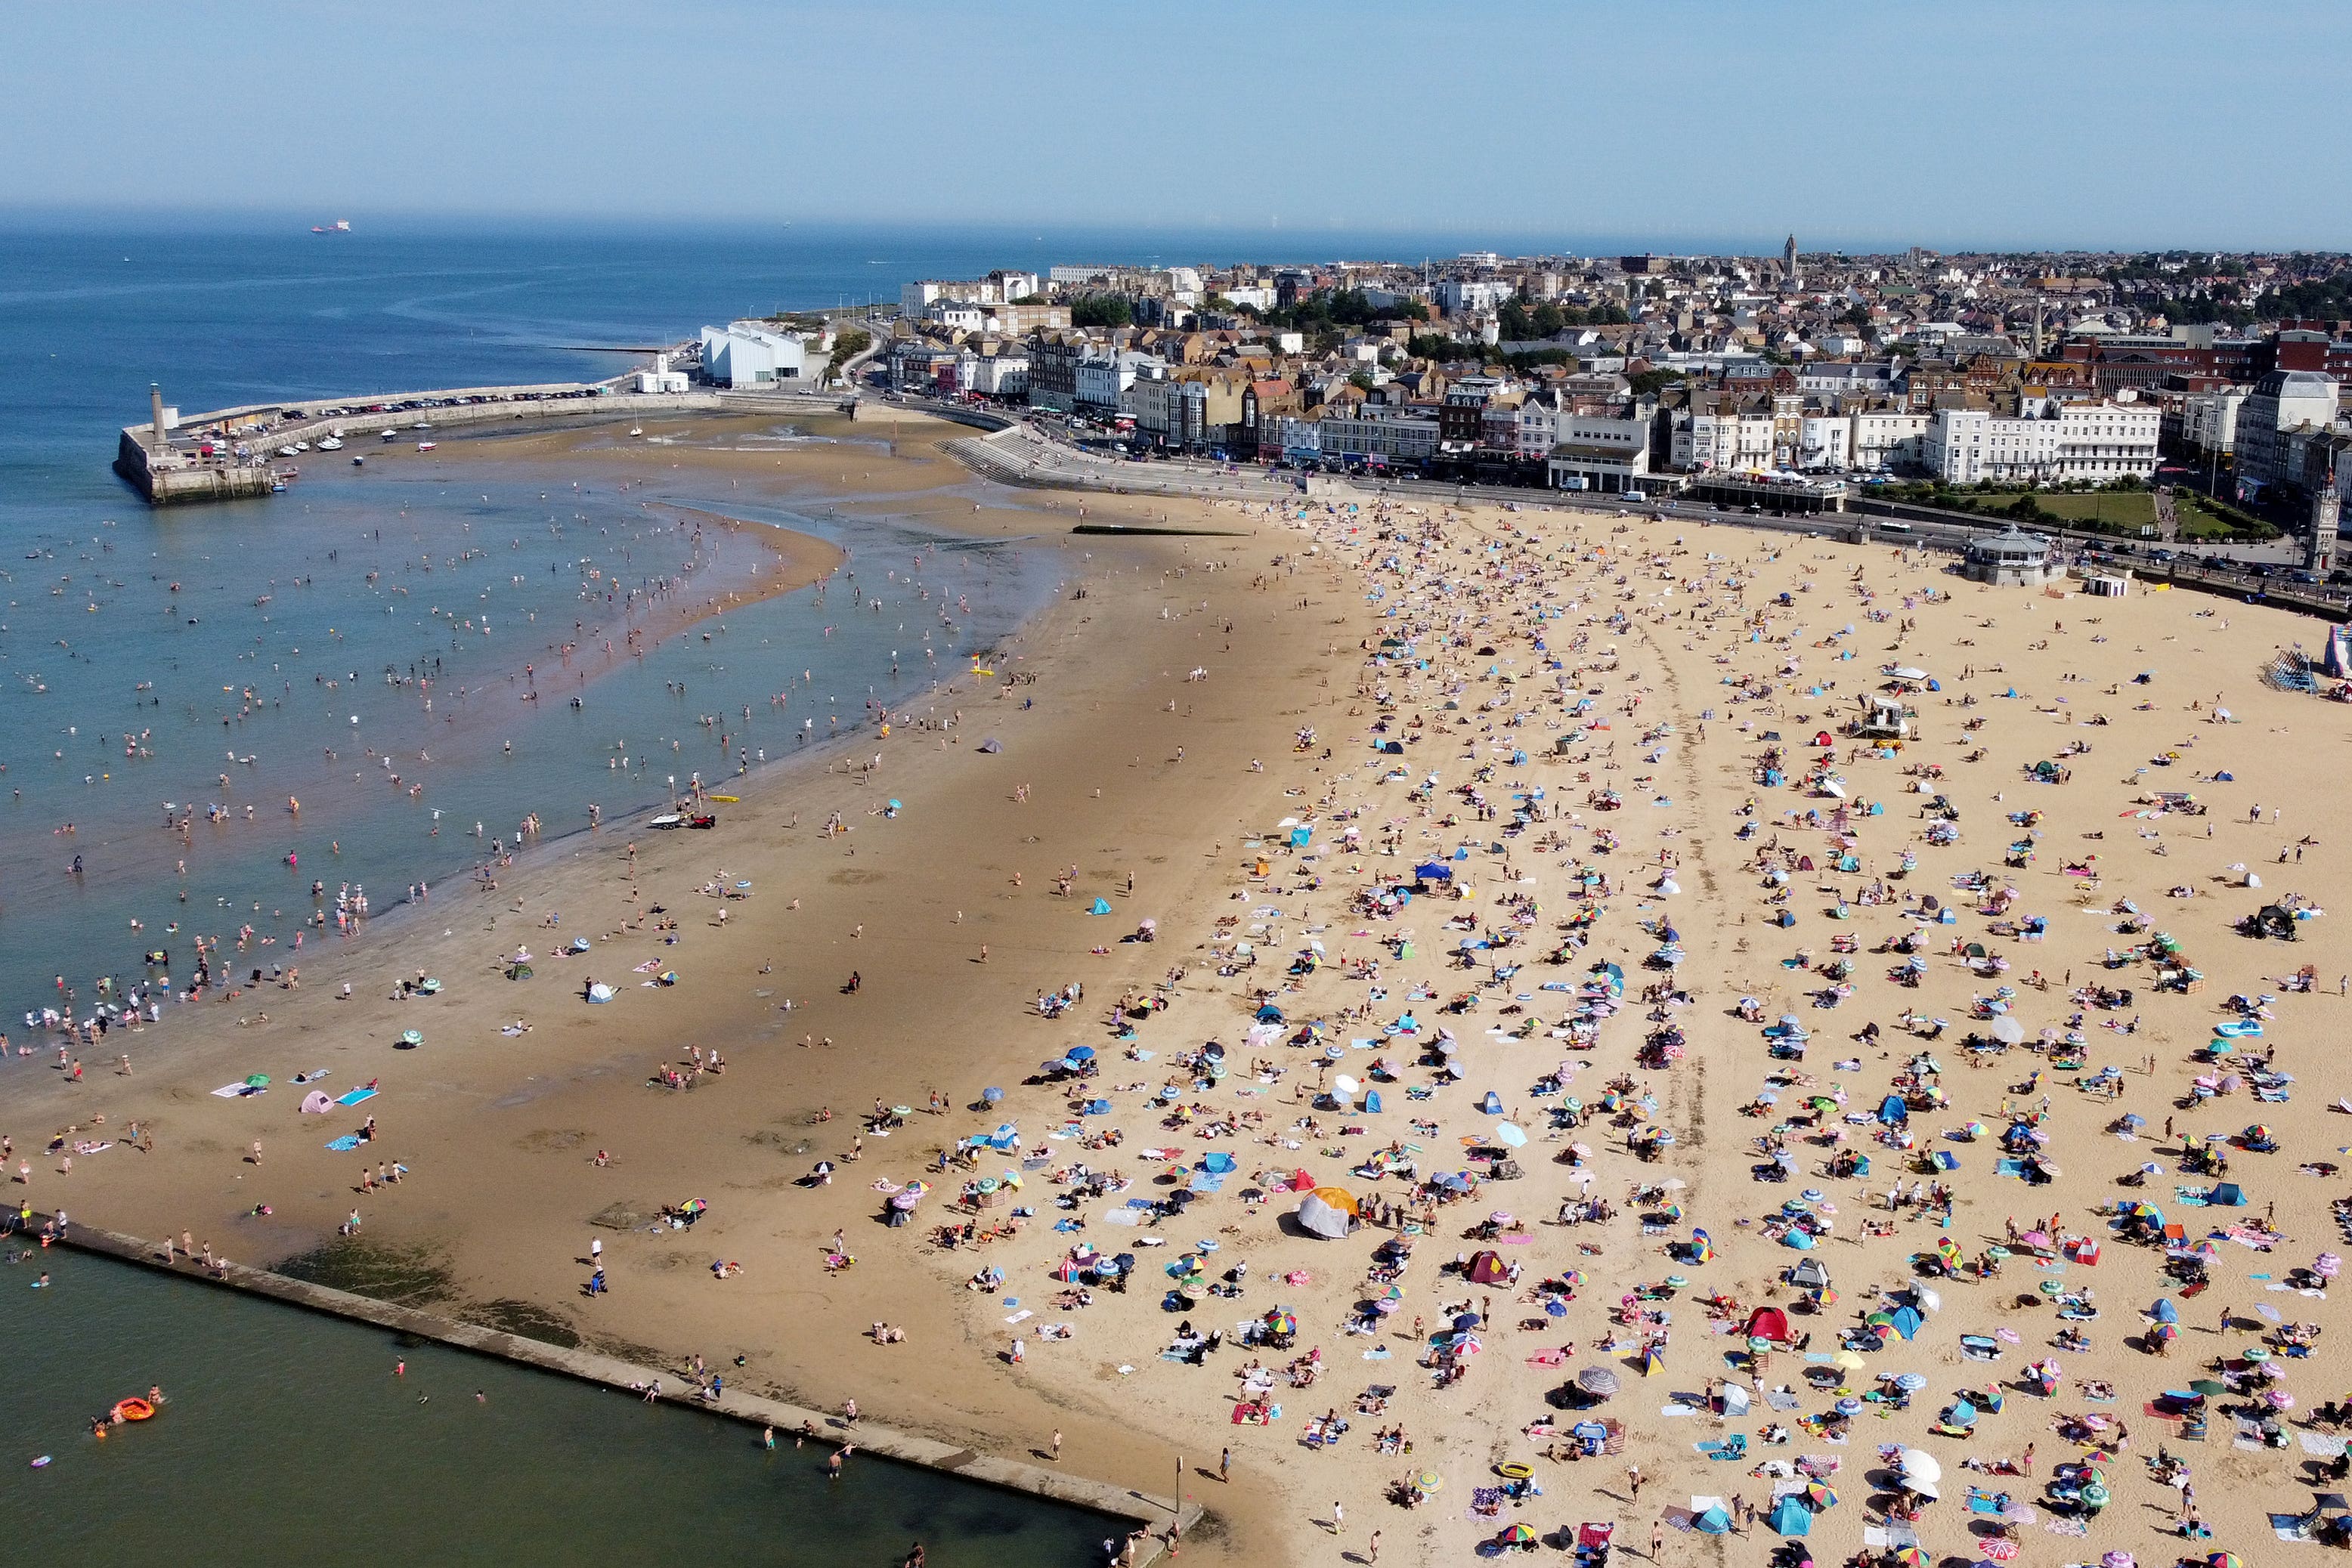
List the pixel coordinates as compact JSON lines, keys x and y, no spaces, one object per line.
{"x":1857,"y":123}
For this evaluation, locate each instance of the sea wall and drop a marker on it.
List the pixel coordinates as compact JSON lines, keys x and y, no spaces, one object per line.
{"x":589,"y":1366}
{"x":184,"y":473}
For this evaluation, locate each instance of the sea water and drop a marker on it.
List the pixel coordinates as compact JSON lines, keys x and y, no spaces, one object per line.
{"x":370,"y":643}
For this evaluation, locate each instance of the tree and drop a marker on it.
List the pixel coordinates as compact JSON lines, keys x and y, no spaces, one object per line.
{"x":1647,"y":383}
{"x":1361,"y":380}
{"x":1102,"y":310}
{"x":851,"y":342}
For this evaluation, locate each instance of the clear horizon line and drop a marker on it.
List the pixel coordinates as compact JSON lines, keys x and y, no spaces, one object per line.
{"x":1301,"y":236}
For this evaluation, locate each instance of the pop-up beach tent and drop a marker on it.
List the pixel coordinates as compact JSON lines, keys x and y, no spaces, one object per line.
{"x":1317,"y":1216}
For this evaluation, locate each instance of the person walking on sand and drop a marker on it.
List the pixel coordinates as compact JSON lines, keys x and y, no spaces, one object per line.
{"x":1058,"y":1445}
{"x":1633,"y":1480}
{"x":1225,"y":1466}
{"x":1373,"y":1547}
{"x":1657,"y":1539}
{"x":257,"y":1151}
{"x":1338,"y":1520}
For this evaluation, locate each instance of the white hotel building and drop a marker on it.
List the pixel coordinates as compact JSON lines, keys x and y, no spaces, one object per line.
{"x":2048,"y":444}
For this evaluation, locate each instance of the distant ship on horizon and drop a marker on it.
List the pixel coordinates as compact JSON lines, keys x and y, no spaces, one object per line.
{"x":340,"y":226}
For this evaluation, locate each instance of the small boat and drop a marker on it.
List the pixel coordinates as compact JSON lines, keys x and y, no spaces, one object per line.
{"x":359,"y":462}
{"x":666,"y":819}
{"x":286,"y":452}
{"x":132,"y":1410}
{"x":391,"y":435}
{"x":636,"y":431}
{"x":331,"y":444}
{"x":724,"y":800}
{"x":425,"y":446}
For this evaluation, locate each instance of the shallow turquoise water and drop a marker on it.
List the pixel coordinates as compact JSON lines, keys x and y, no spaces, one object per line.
{"x":287,"y":1439}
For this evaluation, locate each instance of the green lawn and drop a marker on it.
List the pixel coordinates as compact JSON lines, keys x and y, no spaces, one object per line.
{"x":2197,"y":522}
{"x":2122,"y":509}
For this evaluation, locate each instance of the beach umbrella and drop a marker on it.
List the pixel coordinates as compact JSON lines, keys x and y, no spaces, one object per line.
{"x":2118,"y":1560}
{"x":258,"y":1081}
{"x":2096,"y":1496}
{"x":1847,"y":1361}
{"x":1079,"y":1054}
{"x":2325,"y":1265}
{"x":2006,"y":1031}
{"x":1911,"y":1557}
{"x":2225,"y":1559}
{"x":1999,"y":1551}
{"x":1819,"y":1496}
{"x":2278,"y":1399}
{"x":992,"y":1095}
{"x":1911,"y":1382}
{"x":1428,"y":1481}
{"x":1599,"y":1381}
{"x":1918,"y":1464}
{"x":1509,"y":1136}
{"x":1518,"y":1535}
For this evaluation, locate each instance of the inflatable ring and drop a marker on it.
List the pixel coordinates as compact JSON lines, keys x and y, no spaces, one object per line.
{"x":132,"y":1410}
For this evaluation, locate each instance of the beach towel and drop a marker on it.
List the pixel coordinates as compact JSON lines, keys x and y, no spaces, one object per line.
{"x":236,"y":1090}
{"x":346,"y":1143}
{"x":355,"y":1096}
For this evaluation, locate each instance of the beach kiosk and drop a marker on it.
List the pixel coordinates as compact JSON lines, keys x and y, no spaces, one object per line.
{"x":2009,"y":558}
{"x":1882,"y":718}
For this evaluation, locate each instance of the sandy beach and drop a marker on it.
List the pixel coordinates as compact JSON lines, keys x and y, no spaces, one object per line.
{"x":1195,"y":737}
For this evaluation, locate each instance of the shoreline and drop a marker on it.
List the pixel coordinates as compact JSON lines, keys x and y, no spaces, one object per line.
{"x":785,"y":560}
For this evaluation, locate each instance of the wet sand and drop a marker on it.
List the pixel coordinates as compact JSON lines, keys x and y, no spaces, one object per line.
{"x":500,"y":1132}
